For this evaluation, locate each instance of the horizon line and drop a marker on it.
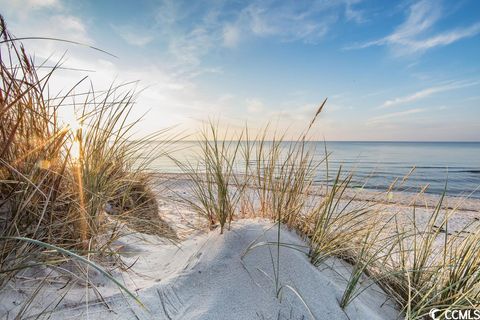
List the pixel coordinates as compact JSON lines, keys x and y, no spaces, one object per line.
{"x":327,"y":141}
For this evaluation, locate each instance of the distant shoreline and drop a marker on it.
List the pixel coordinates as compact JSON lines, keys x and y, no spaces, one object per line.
{"x":401,"y":198}
{"x":332,"y":141}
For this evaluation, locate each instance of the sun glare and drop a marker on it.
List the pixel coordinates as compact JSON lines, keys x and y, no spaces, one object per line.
{"x":75,"y":125}
{"x":75,"y":128}
{"x":75,"y":151}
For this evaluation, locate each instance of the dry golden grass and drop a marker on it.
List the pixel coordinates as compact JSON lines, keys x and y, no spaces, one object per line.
{"x":64,"y":187}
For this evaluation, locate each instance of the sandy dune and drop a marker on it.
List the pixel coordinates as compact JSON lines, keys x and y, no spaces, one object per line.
{"x":211,"y":276}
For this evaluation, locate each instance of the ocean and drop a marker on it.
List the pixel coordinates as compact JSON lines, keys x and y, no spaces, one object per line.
{"x":375,"y":165}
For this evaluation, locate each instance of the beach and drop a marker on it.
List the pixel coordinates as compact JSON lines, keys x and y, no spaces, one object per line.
{"x":205,"y":275}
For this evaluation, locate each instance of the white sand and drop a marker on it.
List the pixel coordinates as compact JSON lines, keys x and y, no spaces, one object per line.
{"x":461,"y":211}
{"x":179,"y":182}
{"x":206,"y":278}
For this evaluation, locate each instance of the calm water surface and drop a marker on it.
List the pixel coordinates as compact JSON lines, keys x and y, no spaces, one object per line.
{"x":377,"y":164}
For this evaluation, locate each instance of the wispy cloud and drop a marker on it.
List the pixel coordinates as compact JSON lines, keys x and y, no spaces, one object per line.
{"x":353,"y":14}
{"x":73,"y":28}
{"x":29,"y":5}
{"x":231,"y":35}
{"x":133,"y":36}
{"x":189,"y":31}
{"x":190,"y":47}
{"x":428,"y":92}
{"x":290,"y":21}
{"x":44,"y":18}
{"x":415,"y":34}
{"x":206,"y":26}
{"x":446,"y":38}
{"x":383,"y":117}
{"x":254,"y":105}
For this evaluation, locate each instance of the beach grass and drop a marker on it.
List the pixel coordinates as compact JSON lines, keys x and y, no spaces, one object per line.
{"x":421,"y":266}
{"x":211,"y":178}
{"x":67,"y":186}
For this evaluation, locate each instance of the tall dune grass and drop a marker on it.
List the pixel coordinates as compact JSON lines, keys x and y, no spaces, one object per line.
{"x":66,"y":186}
{"x":212,"y":179}
{"x":419,"y":265}
{"x":433,"y":269}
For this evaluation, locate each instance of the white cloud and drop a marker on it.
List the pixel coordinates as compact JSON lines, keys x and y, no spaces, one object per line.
{"x":414,"y":35}
{"x":192,"y":31}
{"x":352,"y":14}
{"x":44,"y":18}
{"x":254,"y":105}
{"x":133,"y":35}
{"x":445,"y":38}
{"x":70,"y":26}
{"x":168,"y":13}
{"x":188,"y":31}
{"x":231,"y":36}
{"x":60,"y":26}
{"x":190,"y":47}
{"x":28,"y":5}
{"x":290,"y":21}
{"x":187,"y":26}
{"x":388,"y":116}
{"x":422,"y":16}
{"x":427,"y":92}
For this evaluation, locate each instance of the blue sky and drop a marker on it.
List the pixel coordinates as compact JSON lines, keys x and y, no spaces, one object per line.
{"x":405,"y":70}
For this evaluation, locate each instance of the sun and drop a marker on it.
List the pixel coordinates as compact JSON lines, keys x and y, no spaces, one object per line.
{"x":76,"y":129}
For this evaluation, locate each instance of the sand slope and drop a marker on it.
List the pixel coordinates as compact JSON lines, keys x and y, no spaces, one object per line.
{"x":209,"y":277}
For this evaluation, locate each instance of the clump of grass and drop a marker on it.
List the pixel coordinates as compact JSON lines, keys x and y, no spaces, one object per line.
{"x":368,"y":251}
{"x":112,"y":165}
{"x":332,"y":224}
{"x":431,"y":268}
{"x":258,"y":177}
{"x":284,"y":174}
{"x":214,"y":183}
{"x":58,"y":184}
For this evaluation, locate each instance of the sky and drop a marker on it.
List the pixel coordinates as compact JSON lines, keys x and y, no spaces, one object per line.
{"x":391,"y":70}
